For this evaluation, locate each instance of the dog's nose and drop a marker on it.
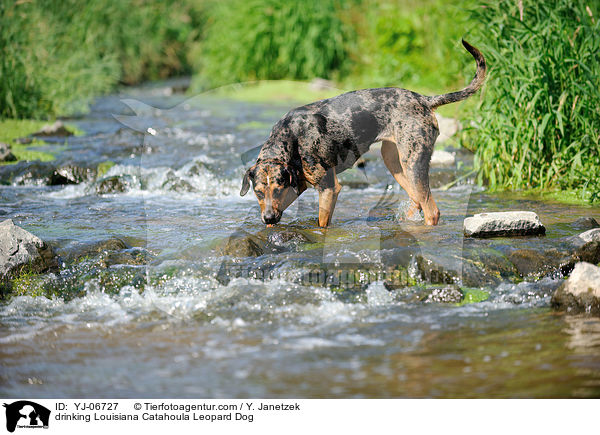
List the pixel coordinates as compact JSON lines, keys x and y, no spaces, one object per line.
{"x":270,"y":218}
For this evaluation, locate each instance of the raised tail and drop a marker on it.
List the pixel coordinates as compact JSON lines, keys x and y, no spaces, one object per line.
{"x":440,"y":100}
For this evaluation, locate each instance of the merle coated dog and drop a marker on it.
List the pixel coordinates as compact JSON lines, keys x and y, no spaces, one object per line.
{"x":313,"y":143}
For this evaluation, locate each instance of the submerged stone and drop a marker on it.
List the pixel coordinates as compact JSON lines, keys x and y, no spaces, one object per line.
{"x":114,"y":184}
{"x":22,"y":251}
{"x":580,"y":293}
{"x":498,"y":224}
{"x":242,"y":245}
{"x":93,"y":249}
{"x":71,"y":174}
{"x":585,"y":223}
{"x":444,"y":295}
{"x":287,"y":239}
{"x":531,"y":262}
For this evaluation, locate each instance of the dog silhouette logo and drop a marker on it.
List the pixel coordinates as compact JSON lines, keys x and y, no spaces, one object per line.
{"x":26,"y":414}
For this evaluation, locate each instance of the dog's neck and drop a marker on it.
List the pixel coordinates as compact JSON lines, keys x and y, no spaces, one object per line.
{"x":280,"y":152}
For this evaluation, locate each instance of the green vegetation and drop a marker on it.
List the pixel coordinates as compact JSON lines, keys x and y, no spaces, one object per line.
{"x":58,"y":54}
{"x":411,"y":44}
{"x":473,"y":295}
{"x":275,"y":91}
{"x":104,"y":167}
{"x":11,"y":129}
{"x":538,"y":123}
{"x":250,"y":40}
{"x":537,"y":119}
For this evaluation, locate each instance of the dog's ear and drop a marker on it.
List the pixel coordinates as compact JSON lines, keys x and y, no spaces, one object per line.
{"x":246,"y":181}
{"x":293,"y":179}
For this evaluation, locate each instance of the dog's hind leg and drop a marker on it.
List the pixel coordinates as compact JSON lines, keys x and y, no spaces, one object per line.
{"x":328,"y":189}
{"x":389,"y":152}
{"x":418,"y":181}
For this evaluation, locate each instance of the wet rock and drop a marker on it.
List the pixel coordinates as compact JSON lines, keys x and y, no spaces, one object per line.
{"x":286,"y":239}
{"x":242,"y":245}
{"x":590,"y":252}
{"x":439,"y":177}
{"x":26,"y":173}
{"x":130,"y":257}
{"x":93,"y":249}
{"x":531,"y":262}
{"x":252,"y":268}
{"x":498,"y":224}
{"x":592,"y":235}
{"x":5,"y":153}
{"x":20,"y":250}
{"x":436,"y":270}
{"x":176,"y":184}
{"x":585,"y":223}
{"x":199,"y":167}
{"x":71,"y":174}
{"x":57,"y":129}
{"x":114,"y":184}
{"x":444,"y":295}
{"x":489,"y":260}
{"x":442,"y":158}
{"x":581,"y":292}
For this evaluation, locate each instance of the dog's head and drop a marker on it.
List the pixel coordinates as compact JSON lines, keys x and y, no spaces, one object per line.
{"x":272,"y":181}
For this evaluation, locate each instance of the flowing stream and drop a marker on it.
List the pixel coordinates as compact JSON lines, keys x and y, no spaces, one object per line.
{"x":195,"y":298}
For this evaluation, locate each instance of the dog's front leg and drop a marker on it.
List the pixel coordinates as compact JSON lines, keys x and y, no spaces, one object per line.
{"x":328,"y":188}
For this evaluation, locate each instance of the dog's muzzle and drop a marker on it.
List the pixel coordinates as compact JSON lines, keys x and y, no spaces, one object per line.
{"x":270,"y":217}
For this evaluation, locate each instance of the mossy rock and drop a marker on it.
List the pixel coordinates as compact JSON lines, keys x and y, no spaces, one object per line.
{"x":242,"y":245}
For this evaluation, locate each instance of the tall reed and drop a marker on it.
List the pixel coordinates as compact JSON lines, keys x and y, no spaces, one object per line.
{"x":538,"y":125}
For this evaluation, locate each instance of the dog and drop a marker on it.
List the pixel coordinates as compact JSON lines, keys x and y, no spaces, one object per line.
{"x":311,"y":144}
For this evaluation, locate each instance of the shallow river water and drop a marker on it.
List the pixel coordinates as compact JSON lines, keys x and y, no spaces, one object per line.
{"x":203,"y":301}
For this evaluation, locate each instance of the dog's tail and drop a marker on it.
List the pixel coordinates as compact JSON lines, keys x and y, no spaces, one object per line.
{"x":440,"y":100}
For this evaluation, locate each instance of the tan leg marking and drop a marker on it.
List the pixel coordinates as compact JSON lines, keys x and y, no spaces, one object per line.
{"x":329,"y":187}
{"x":389,"y":152}
{"x":418,"y":190}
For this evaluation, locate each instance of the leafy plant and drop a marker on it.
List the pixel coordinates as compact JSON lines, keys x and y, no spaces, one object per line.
{"x":537,"y":127}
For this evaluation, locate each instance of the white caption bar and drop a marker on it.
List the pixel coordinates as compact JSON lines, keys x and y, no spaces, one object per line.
{"x":258,"y":416}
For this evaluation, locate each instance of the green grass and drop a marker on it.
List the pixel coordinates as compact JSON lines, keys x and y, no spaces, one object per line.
{"x":249,"y":40}
{"x":11,"y":129}
{"x":413,"y":45}
{"x":58,"y":54}
{"x":275,"y":91}
{"x":537,"y":126}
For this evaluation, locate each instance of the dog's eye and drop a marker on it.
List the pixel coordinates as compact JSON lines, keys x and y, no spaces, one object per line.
{"x":259,"y":194}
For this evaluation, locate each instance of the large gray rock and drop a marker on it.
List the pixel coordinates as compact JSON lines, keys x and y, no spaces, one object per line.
{"x":508,"y":223}
{"x":581,"y":292}
{"x":592,"y":235}
{"x":19,"y":249}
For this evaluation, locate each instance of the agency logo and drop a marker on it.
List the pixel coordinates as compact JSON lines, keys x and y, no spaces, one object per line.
{"x":26,"y":414}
